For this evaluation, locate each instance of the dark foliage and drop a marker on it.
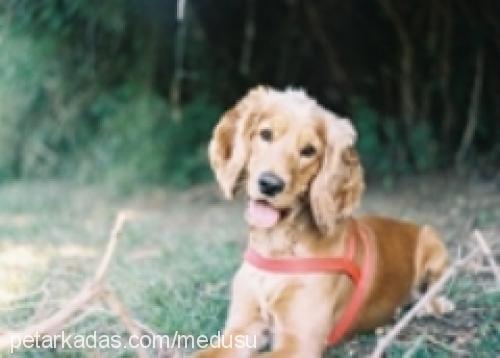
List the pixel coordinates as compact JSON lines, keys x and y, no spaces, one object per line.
{"x":124,"y":90}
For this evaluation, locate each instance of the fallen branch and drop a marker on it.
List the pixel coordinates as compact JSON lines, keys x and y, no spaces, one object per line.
{"x":52,"y":324}
{"x":92,"y":290}
{"x":485,"y":248}
{"x":414,"y":347}
{"x":456,"y":352}
{"x":117,"y":307}
{"x":385,"y":341}
{"x":120,"y":220}
{"x":162,"y":350}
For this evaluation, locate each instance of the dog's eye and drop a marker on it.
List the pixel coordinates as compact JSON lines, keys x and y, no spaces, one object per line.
{"x":266,"y":134}
{"x":307,"y":151}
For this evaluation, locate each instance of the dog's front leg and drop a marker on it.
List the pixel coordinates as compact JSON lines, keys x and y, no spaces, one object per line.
{"x":303,"y":319}
{"x":243,"y":333}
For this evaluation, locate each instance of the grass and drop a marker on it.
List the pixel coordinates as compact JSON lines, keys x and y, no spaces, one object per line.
{"x":175,"y":260}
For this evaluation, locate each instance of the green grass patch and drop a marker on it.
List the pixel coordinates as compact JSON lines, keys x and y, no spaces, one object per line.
{"x":173,"y":268}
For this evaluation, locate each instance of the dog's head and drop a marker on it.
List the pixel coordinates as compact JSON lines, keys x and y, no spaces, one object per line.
{"x":291,"y":153}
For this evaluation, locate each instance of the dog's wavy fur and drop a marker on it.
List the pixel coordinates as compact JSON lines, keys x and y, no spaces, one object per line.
{"x":321,"y":192}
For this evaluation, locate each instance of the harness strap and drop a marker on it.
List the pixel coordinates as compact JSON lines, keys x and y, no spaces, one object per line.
{"x":361,"y":277}
{"x":303,"y":265}
{"x":353,"y":307}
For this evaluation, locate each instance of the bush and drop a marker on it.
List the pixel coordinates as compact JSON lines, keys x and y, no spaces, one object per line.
{"x":138,"y":141}
{"x":59,"y":121}
{"x":384,"y":150}
{"x":38,"y":110}
{"x":73,"y":106}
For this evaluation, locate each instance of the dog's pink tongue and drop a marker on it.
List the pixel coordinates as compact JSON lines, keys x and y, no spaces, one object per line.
{"x":261,"y":215}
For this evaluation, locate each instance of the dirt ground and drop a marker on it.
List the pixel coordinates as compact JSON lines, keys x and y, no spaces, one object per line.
{"x":175,"y":260}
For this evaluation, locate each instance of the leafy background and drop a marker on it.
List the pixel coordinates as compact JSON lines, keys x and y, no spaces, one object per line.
{"x":126,"y":92}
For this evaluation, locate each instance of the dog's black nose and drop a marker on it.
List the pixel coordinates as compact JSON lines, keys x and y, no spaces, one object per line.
{"x":270,"y":184}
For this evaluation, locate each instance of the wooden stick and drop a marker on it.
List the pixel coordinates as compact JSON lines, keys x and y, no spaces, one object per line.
{"x":488,"y":254}
{"x":162,"y":351}
{"x":116,"y":305}
{"x":447,"y":347}
{"x":88,"y":293}
{"x":51,"y":324}
{"x":385,"y":341}
{"x":414,"y":347}
{"x":120,"y":220}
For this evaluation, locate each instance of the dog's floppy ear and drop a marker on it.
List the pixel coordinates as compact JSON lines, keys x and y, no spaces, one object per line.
{"x":337,"y":188}
{"x":230,"y":144}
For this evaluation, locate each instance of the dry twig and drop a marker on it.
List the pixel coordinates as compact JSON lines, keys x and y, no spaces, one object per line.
{"x":118,"y":308}
{"x":92,"y":290}
{"x":414,"y":347}
{"x":457,"y":352}
{"x":385,"y":341}
{"x":485,"y":248}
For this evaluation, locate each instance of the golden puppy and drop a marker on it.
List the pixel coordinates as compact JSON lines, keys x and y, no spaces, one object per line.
{"x":303,"y":180}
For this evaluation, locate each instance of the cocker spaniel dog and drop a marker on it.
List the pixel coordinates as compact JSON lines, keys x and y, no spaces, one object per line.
{"x":312,"y":274}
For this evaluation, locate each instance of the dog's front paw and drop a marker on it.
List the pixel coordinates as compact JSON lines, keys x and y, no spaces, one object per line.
{"x":437,"y":306}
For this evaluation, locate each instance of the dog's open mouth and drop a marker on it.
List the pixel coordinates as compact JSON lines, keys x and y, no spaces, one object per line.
{"x":261,"y":213}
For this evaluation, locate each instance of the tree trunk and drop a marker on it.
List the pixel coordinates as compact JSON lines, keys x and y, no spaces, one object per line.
{"x":473,"y":113}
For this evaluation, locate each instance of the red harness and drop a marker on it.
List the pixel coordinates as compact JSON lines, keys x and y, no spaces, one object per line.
{"x":361,"y":276}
